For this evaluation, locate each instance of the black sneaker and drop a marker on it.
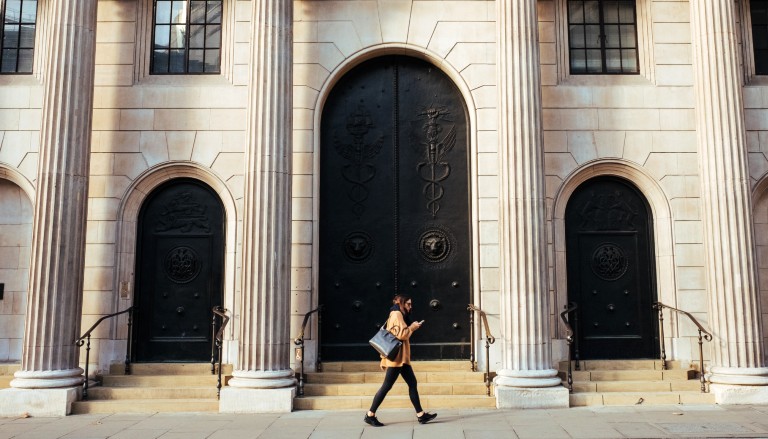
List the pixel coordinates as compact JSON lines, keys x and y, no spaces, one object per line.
{"x":371,"y":420}
{"x":426,"y":417}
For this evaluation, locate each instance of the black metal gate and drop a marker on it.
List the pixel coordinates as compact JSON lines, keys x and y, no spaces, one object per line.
{"x":394,"y":208}
{"x":179,"y":272}
{"x":610,"y":270}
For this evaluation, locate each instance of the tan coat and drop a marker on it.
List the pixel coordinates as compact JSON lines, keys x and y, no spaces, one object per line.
{"x":396,"y":325}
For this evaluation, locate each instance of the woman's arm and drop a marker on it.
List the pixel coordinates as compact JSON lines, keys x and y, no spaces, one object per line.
{"x":396,"y":325}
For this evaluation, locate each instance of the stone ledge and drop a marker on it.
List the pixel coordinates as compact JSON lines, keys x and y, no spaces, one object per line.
{"x":38,"y":402}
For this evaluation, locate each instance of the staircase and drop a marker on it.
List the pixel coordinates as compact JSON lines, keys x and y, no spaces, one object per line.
{"x":6,"y":374}
{"x":155,"y":387}
{"x":634,"y":382}
{"x":351,"y":385}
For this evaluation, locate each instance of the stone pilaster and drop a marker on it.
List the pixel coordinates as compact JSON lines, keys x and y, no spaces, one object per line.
{"x":263,"y":380}
{"x":49,"y":354}
{"x":738,"y":372}
{"x":527,"y":378}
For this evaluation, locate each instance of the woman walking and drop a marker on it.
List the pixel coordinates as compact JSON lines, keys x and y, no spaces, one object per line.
{"x":401,"y":325}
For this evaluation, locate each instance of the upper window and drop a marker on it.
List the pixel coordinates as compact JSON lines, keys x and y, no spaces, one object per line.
{"x":602,"y":37}
{"x":17,"y":35}
{"x":759,"y":13}
{"x":186,"y":37}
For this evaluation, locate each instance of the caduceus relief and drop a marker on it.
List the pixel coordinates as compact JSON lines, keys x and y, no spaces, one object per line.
{"x":359,"y":171}
{"x":435,"y":170}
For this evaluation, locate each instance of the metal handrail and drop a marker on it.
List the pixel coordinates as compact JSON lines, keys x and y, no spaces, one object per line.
{"x":489,"y":340}
{"x":572,"y":337}
{"x":218,"y":342}
{"x":703,"y":335}
{"x":299,"y":341}
{"x":85,"y":339}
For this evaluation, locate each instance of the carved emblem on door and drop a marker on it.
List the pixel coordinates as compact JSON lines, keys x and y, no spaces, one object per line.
{"x":609,"y":262}
{"x":182,"y":265}
{"x":184,"y":214}
{"x":435,"y":169}
{"x":434,"y":245}
{"x":358,"y":247}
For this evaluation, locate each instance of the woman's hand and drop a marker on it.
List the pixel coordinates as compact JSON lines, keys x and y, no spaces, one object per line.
{"x":416,"y":325}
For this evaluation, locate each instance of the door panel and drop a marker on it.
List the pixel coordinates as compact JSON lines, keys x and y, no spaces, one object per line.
{"x":610,"y":274}
{"x":394,"y":208}
{"x":179,"y":276}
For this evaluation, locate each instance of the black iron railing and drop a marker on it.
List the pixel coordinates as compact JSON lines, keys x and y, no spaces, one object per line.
{"x":489,"y":340}
{"x":572,"y":337}
{"x":85,"y":339}
{"x":299,"y":341}
{"x":703,"y":335}
{"x":218,"y":323}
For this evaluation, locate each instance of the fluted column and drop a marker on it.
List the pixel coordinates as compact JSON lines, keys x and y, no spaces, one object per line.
{"x":725,"y":190}
{"x":264,"y":354}
{"x":49,"y":353}
{"x":526,"y":349}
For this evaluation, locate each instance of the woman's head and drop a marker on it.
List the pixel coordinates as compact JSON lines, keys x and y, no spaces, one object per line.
{"x":404,"y":302}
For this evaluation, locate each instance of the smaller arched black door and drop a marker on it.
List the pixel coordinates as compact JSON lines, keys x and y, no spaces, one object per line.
{"x":179,"y":263}
{"x":611,"y":276}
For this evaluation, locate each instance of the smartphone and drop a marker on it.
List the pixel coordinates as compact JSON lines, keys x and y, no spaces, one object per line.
{"x":421,"y":322}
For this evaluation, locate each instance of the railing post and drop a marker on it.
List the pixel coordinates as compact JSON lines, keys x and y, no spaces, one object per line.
{"x":487,"y":377}
{"x":472,"y":362}
{"x":213,"y":344}
{"x":319,"y":366}
{"x":87,"y":360}
{"x":660,"y":307}
{"x":130,"y":343}
{"x":300,"y":357}
{"x":701,"y":364}
{"x":576,"y":339}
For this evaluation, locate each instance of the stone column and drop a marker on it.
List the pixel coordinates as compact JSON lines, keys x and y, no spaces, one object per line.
{"x":738,"y":372}
{"x":527,"y":378}
{"x":263,"y":380}
{"x":54,"y":309}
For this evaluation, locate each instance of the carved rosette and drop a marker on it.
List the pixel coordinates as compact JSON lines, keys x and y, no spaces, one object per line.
{"x":609,"y":262}
{"x":182,"y":265}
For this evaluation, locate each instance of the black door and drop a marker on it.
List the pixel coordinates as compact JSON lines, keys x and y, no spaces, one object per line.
{"x":394,"y":208}
{"x":179,"y":272}
{"x":610,"y":271}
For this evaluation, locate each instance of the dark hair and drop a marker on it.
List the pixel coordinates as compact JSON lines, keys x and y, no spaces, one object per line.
{"x":400,"y":300}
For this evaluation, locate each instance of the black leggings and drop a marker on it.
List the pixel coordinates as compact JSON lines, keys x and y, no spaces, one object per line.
{"x":389,"y":380}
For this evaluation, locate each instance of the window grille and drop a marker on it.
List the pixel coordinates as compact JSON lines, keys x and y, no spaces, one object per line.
{"x":186,"y":37}
{"x":602,"y":37}
{"x":17,"y":36}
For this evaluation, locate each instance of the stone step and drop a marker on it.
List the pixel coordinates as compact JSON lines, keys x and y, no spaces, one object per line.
{"x":378,"y":377}
{"x":168,"y":369}
{"x":631,"y":375}
{"x":400,"y":388}
{"x":640,"y":398}
{"x":5,"y":381}
{"x":429,"y":402}
{"x":418,"y":366}
{"x":162,"y":380}
{"x":9,"y":368}
{"x":112,"y":393}
{"x":588,"y":365}
{"x":145,"y":406}
{"x":636,"y":386}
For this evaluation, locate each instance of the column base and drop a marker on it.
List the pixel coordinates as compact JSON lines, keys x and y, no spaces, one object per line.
{"x":38,"y":402}
{"x":243,"y":400}
{"x":729,"y":394}
{"x":532,"y":398}
{"x":47,"y":379}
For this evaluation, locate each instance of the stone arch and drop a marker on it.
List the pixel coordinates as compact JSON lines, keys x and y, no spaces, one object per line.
{"x":127,"y":223}
{"x":663,"y":240}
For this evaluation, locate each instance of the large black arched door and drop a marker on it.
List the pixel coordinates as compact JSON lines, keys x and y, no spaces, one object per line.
{"x":179,"y":262}
{"x":611,"y":276}
{"x":394,"y":208}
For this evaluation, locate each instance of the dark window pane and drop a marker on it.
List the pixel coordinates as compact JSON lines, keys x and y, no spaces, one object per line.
{"x":26,"y":57}
{"x":197,"y":12}
{"x":627,"y":12}
{"x":613,"y":61}
{"x":27,"y":38}
{"x":592,"y":36}
{"x":11,"y":36}
{"x":196,"y":37}
{"x":177,"y":61}
{"x":760,"y":37}
{"x":594,"y":61}
{"x":212,"y":61}
{"x":578,"y":61}
{"x":761,"y":62}
{"x":612,"y":36}
{"x":213,"y":37}
{"x":29,"y":12}
{"x":162,"y":37}
{"x":575,"y":12}
{"x":629,"y":61}
{"x":576,"y":37}
{"x":610,"y":12}
{"x":628,"y":36}
{"x":196,"y":61}
{"x":162,"y":12}
{"x":178,"y":36}
{"x":160,"y":61}
{"x":9,"y":61}
{"x":214,"y":12}
{"x":179,"y":12}
{"x":591,"y":12}
{"x":12,"y":11}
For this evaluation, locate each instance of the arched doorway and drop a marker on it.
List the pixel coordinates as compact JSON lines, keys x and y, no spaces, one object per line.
{"x":394,"y":208}
{"x":179,"y":272}
{"x":611,"y":276}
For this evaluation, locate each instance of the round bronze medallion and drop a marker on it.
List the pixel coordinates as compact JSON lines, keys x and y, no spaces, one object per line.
{"x":358,"y":247}
{"x":609,"y":262}
{"x":434,"y":245}
{"x":182,"y":265}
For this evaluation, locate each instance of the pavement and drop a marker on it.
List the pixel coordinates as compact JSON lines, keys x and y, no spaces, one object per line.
{"x":673,"y":421}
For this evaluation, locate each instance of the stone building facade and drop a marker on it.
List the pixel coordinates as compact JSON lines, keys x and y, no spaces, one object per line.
{"x":575,"y":180}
